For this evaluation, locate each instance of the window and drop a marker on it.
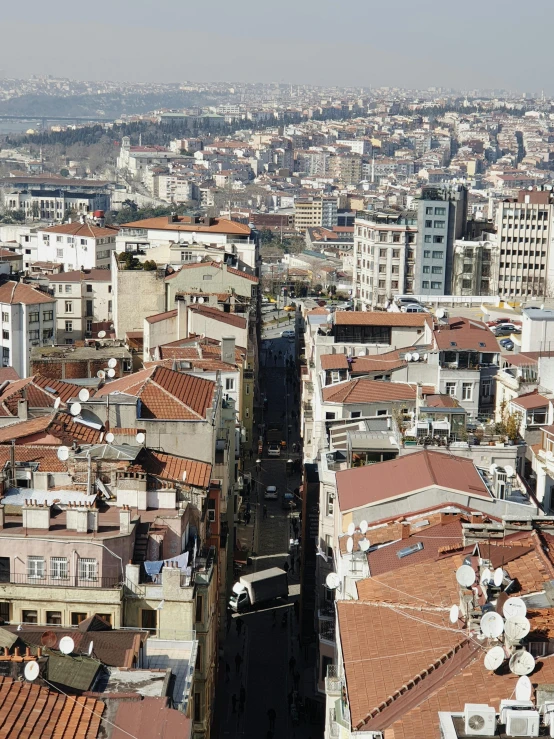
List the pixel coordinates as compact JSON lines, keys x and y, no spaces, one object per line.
{"x":5,"y":334}
{"x":197,"y":707}
{"x":87,"y":569}
{"x":335,"y":376}
{"x":536,"y":417}
{"x":229,"y":383}
{"x":428,"y":224}
{"x":5,"y":317}
{"x":54,"y":618}
{"x":486,"y":388}
{"x":426,"y":254}
{"x":34,"y":335}
{"x":88,"y":309}
{"x":383,"y":253}
{"x":382,"y":268}
{"x":198,"y":665}
{"x":34,"y":317}
{"x":89,"y":326}
{"x":451,"y":388}
{"x":35,"y":567}
{"x":199,"y":616}
{"x":68,"y":327}
{"x":438,"y":239}
{"x":426,"y":269}
{"x":68,"y":288}
{"x":425,"y":284}
{"x":396,"y":253}
{"x":48,"y":315}
{"x":109,"y":306}
{"x":77,"y":617}
{"x":436,"y":270}
{"x":440,"y":211}
{"x":59,"y":239}
{"x":59,"y":254}
{"x":396,"y":238}
{"x":106,"y":616}
{"x":68,"y":306}
{"x":330,"y":416}
{"x":427,"y":238}
{"x":207,"y":277}
{"x":5,"y":357}
{"x":438,"y":254}
{"x":329,"y":545}
{"x":466,"y":284}
{"x":383,"y":236}
{"x":355,"y":414}
{"x":438,"y":224}
{"x":381,"y":412}
{"x":29,"y":617}
{"x":467,"y":390}
{"x":428,"y":211}
{"x":58,"y":568}
{"x":89,"y":288}
{"x":60,"y":288}
{"x":436,"y":286}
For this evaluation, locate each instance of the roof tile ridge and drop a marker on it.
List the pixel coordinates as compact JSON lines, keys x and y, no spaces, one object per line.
{"x":173,"y":397}
{"x":541,"y":552}
{"x":430,"y":469}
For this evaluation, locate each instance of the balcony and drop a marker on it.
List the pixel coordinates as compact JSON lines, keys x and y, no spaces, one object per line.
{"x":333,"y":681}
{"x":308,"y":411}
{"x":327,"y":631}
{"x":60,"y":582}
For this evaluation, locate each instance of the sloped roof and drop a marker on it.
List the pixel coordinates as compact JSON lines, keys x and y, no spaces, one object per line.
{"x":333,"y":361}
{"x":38,"y":390}
{"x":24,"y":428}
{"x":19,"y":292}
{"x":82,"y":229}
{"x":466,"y":334}
{"x":530,"y":401}
{"x":364,"y":486}
{"x":232,"y":319}
{"x":219,"y":225}
{"x":150,"y":718}
{"x":380,"y":318}
{"x":65,"y":427}
{"x":171,"y":467}
{"x":45,"y":456}
{"x":368,"y":391}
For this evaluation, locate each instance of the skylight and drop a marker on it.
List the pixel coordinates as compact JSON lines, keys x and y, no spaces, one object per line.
{"x":401,"y":553}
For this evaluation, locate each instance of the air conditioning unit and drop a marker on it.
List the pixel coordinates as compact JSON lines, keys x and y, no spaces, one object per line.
{"x":480,"y":719}
{"x":522,"y":723}
{"x":506,"y":705}
{"x":548,"y":711}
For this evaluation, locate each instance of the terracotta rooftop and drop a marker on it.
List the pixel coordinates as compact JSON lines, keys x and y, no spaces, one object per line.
{"x":530,"y":401}
{"x":89,"y":275}
{"x":68,"y":429}
{"x":381,"y":318}
{"x":39,"y":391}
{"x":464,"y":334}
{"x":171,"y":467}
{"x":150,"y":718}
{"x":162,"y":316}
{"x":333,"y":361}
{"x":368,"y":391}
{"x":23,"y":429}
{"x":232,"y":319}
{"x":441,"y":401}
{"x":45,"y":456}
{"x":84,"y":230}
{"x":219,"y":225}
{"x":19,"y":292}
{"x":366,"y":486}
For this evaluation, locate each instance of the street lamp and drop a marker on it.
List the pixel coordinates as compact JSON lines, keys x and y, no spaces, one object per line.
{"x":258,"y":463}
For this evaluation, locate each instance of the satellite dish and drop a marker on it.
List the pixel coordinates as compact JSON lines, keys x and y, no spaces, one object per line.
{"x":486,"y":576}
{"x":110,"y":438}
{"x":408,"y":357}
{"x":184,"y":475}
{"x":440,"y":313}
{"x":425,"y":357}
{"x":465,"y":576}
{"x":101,"y":374}
{"x":200,"y":300}
{"x":498,"y":576}
{"x":84,"y":395}
{"x":492,"y":624}
{"x":454,"y":614}
{"x":90,"y":648}
{"x":48,"y":639}
{"x":514,"y":607}
{"x":517,"y":628}
{"x":415,"y":357}
{"x":140,"y":438}
{"x":31,"y":671}
{"x":509,"y":470}
{"x":112,"y":363}
{"x":349,"y":545}
{"x":363,"y":526}
{"x":57,"y":403}
{"x":63,"y":453}
{"x":111,"y":373}
{"x":332,"y":581}
{"x":523,"y":689}
{"x":351,"y":529}
{"x":101,"y":334}
{"x":67,"y":645}
{"x":364,"y":545}
{"x":522,"y":663}
{"x":75,"y":409}
{"x":492,"y":468}
{"x":494,"y":658}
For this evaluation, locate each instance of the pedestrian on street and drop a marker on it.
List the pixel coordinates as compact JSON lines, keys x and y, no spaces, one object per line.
{"x":234,"y":702}
{"x":265,"y":510}
{"x":292,"y":663}
{"x":227,"y":672}
{"x":238,"y":623}
{"x":242,"y":694}
{"x":272,"y":716}
{"x":238,"y":662}
{"x":247,"y":517}
{"x":286,"y":568}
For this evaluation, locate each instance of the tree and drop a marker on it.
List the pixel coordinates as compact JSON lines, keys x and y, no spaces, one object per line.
{"x":64,"y":172}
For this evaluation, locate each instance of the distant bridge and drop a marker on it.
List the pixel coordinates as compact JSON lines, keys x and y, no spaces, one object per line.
{"x":45,"y":118}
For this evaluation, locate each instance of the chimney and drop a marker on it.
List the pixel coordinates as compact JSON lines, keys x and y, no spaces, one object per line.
{"x":36,"y":516}
{"x":405,"y":531}
{"x":125,"y":520}
{"x":22,"y":410}
{"x":182,"y":317}
{"x":228,"y":349}
{"x":77,"y":519}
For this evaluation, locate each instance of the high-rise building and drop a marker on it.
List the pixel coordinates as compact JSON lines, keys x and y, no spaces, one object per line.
{"x":475,"y":267}
{"x":525,"y":231}
{"x":441,"y":219}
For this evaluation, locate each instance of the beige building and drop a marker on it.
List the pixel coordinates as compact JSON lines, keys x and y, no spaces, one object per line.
{"x":475,"y":267}
{"x":82,"y":298}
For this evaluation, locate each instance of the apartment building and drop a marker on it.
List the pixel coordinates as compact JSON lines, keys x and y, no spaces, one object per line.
{"x":28,"y":320}
{"x":475,"y":267}
{"x":524,"y":227}
{"x":82,"y":298}
{"x":441,"y":218}
{"x":315,"y":211}
{"x":47,"y":197}
{"x":80,"y":245}
{"x":384,"y":256}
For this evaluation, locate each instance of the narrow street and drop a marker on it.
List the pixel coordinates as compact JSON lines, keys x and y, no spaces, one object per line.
{"x":266,"y":640}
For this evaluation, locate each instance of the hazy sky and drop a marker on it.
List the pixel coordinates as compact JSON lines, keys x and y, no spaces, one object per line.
{"x":474,"y":43}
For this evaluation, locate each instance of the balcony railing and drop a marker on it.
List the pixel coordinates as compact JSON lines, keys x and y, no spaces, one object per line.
{"x":61,"y":582}
{"x":333,"y":681}
{"x":327,"y":631}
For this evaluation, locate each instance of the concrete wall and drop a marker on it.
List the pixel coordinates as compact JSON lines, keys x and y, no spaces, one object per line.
{"x":137,"y":294}
{"x":157,"y":333}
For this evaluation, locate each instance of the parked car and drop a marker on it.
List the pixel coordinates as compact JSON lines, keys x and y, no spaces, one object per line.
{"x":289,"y":307}
{"x":288,"y":502}
{"x":288,"y":334}
{"x":274,"y":450}
{"x":504,"y":329}
{"x":271,"y":493}
{"x":508,"y":344}
{"x":413,"y":308}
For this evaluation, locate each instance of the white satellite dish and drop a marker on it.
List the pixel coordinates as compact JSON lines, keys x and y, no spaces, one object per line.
{"x":90,"y":648}
{"x":84,"y":395}
{"x":523,"y":689}
{"x":184,"y":475}
{"x":31,"y":671}
{"x":522,"y":663}
{"x":112,"y":363}
{"x":332,"y":581}
{"x":492,"y":624}
{"x":454,"y":614}
{"x":492,"y":468}
{"x":63,"y":453}
{"x":75,"y":409}
{"x":351,"y":529}
{"x":110,"y":438}
{"x":67,"y":645}
{"x":509,"y":470}
{"x":363,"y":526}
{"x":465,"y":576}
{"x":101,"y":374}
{"x":517,"y":628}
{"x":415,"y":357}
{"x":101,"y":334}
{"x":111,"y":373}
{"x":440,"y":313}
{"x":514,"y":607}
{"x":494,"y":658}
{"x":200,"y":300}
{"x":498,"y":576}
{"x":364,"y":545}
{"x":57,"y":403}
{"x":408,"y":357}
{"x":140,"y":438}
{"x":486,"y":576}
{"x":349,"y":545}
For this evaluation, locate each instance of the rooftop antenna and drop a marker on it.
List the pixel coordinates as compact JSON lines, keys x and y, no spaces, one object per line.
{"x":140,"y":438}
{"x":454,"y":614}
{"x":363,"y":526}
{"x":112,"y":363}
{"x":349,"y":545}
{"x":522,"y":663}
{"x":67,"y":645}
{"x":486,"y":576}
{"x":523,"y":689}
{"x":514,"y":607}
{"x":90,"y":648}
{"x":63,"y":453}
{"x":332,"y":581}
{"x":75,"y":409}
{"x":351,"y":529}
{"x":110,"y":438}
{"x":494,"y":658}
{"x":516,"y":628}
{"x":84,"y":395}
{"x":492,"y":625}
{"x":465,"y":576}
{"x":57,"y":403}
{"x":31,"y":671}
{"x":498,"y":576}
{"x":101,"y":334}
{"x":509,"y":470}
{"x":364,"y":545}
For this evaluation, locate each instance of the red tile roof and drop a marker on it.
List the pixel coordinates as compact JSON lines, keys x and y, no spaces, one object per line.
{"x":39,"y":391}
{"x":365,"y":486}
{"x":441,"y":401}
{"x":162,"y":316}
{"x":530,"y":401}
{"x":89,"y":275}
{"x":66,"y":428}
{"x":232,"y":319}
{"x":83,"y":230}
{"x":24,"y":428}
{"x":19,"y":292}
{"x":45,"y":456}
{"x":466,"y":333}
{"x":150,"y":718}
{"x":333,"y":361}
{"x":170,"y":467}
{"x":29,"y":710}
{"x":368,"y":391}
{"x":380,"y":318}
{"x":219,"y":225}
